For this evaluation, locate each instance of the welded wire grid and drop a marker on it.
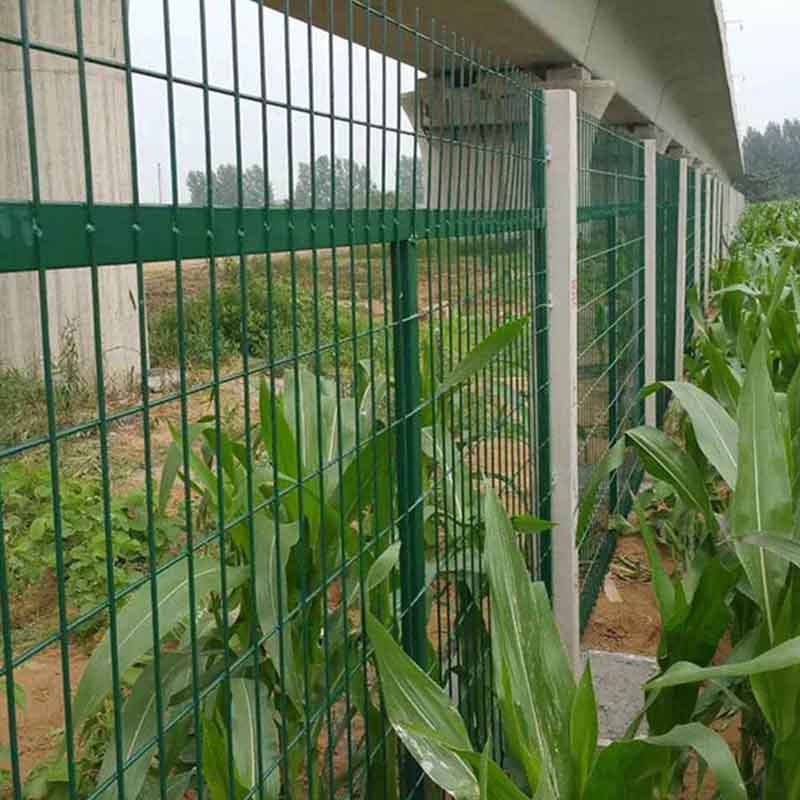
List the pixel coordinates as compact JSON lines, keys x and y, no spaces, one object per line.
{"x":279,"y":235}
{"x":703,"y":233}
{"x":691,"y":227}
{"x":610,"y":326}
{"x":667,"y":208}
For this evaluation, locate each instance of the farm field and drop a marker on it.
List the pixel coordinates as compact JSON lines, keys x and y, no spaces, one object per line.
{"x":704,"y":576}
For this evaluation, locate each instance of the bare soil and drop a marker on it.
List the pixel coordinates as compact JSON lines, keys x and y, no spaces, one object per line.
{"x":42,"y":718}
{"x":633,"y":625}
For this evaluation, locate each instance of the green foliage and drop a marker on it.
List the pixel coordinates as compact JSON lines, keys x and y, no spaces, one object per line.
{"x":320,"y":468}
{"x":281,"y":321}
{"x":225,"y":186}
{"x":23,"y":398}
{"x":549,"y":722}
{"x":772,"y":161}
{"x":735,"y":470}
{"x":30,"y":543}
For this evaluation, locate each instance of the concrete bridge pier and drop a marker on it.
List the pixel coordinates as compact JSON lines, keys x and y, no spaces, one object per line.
{"x":60,"y":146}
{"x":466,"y":133}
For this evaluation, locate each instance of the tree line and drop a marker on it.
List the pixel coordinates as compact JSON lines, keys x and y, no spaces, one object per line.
{"x":772,"y":161}
{"x":341,"y":184}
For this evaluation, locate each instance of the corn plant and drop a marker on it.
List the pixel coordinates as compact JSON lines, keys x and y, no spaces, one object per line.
{"x":742,"y":429}
{"x":549,"y":721}
{"x":232,"y":651}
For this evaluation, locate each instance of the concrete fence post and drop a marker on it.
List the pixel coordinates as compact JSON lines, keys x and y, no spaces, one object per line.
{"x":680,"y":293}
{"x":650,"y":232}
{"x":561,"y":130}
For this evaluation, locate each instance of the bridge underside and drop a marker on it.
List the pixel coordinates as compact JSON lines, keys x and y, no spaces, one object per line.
{"x":668,"y":59}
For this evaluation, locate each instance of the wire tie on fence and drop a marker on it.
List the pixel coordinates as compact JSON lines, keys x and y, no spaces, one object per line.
{"x":90,"y":228}
{"x":176,"y":230}
{"x":240,"y":233}
{"x":209,"y":234}
{"x":136,"y":227}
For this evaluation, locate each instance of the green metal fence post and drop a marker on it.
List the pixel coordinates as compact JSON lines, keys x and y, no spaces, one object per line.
{"x":409,"y":465}
{"x":611,"y":263}
{"x":539,"y":332}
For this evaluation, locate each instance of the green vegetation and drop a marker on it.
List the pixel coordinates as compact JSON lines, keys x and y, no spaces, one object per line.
{"x":730,"y":478}
{"x":239,"y":621}
{"x":733,"y":472}
{"x":29,"y":533}
{"x":273,"y":312}
{"x":549,"y":722}
{"x":772,"y":161}
{"x":23,"y":398}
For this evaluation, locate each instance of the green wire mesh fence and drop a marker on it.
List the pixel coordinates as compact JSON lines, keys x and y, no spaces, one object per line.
{"x":282,"y":271}
{"x":610,"y":326}
{"x":703,"y":227}
{"x":667,"y":196}
{"x":691,"y":227}
{"x":279,"y":304}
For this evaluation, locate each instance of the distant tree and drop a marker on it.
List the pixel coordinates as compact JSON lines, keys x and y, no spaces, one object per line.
{"x":329,"y":182}
{"x":225,"y":188}
{"x":772,"y":161}
{"x":338,"y":180}
{"x":411,"y":182}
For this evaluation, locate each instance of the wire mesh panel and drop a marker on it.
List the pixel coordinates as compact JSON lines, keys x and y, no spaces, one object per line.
{"x":691,"y":227}
{"x":610,"y":325}
{"x":703,"y":227}
{"x":270,"y":284}
{"x":667,"y":197}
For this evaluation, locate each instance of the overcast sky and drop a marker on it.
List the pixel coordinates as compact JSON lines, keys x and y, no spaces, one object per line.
{"x":147,"y":45}
{"x":764,"y":46}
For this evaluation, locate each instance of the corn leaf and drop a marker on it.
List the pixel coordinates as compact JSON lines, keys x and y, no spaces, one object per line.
{"x":665,"y":461}
{"x":541,"y":681}
{"x":253,"y":734}
{"x":382,"y":566}
{"x":787,"y":549}
{"x":611,"y":461}
{"x":583,"y":728}
{"x":527,"y":523}
{"x":480,"y":355}
{"x":135,"y":625}
{"x":713,"y":750}
{"x":139,"y":726}
{"x":272,"y":548}
{"x":423,"y":716}
{"x":763,"y":500}
{"x":276,"y":433}
{"x":779,"y":657}
{"x":630,"y":770}
{"x":715,"y":429}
